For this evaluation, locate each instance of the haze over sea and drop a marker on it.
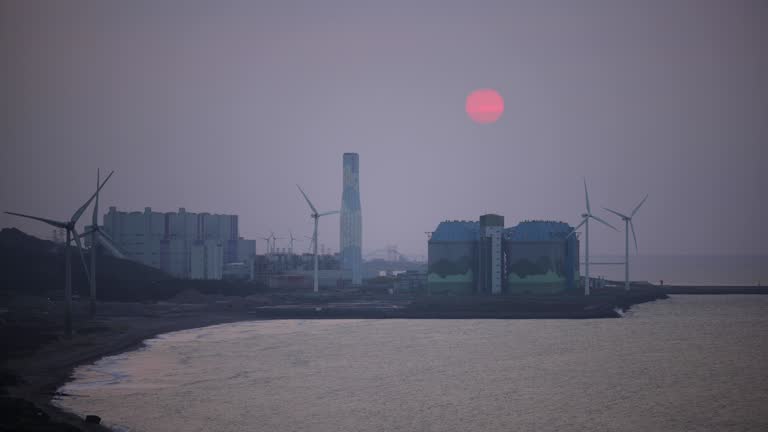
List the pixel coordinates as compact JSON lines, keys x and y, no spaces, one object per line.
{"x":686,"y":269}
{"x":687,"y":363}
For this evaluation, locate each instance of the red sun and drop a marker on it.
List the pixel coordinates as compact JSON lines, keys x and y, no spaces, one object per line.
{"x":484,"y":106}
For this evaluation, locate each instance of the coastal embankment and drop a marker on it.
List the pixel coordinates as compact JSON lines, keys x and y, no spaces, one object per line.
{"x":716,"y":289}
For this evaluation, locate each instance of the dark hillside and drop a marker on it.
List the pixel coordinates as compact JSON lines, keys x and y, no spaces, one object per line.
{"x":31,"y":266}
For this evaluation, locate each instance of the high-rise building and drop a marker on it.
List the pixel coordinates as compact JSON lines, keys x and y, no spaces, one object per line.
{"x":184,"y":244}
{"x":351,"y":230}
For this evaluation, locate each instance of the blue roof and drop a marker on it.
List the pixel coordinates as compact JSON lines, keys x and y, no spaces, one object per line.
{"x":538,"y":231}
{"x":457,"y":231}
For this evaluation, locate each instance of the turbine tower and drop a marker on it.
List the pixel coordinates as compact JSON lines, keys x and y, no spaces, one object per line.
{"x":351,"y":220}
{"x":585,"y":221}
{"x":98,"y":235}
{"x":627,"y":225}
{"x":69,"y":226}
{"x":316,"y":216}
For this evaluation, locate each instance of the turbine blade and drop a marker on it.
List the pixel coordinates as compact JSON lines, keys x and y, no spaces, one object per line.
{"x":631,"y":225}
{"x":586,"y":195}
{"x":88,"y":231}
{"x":577,"y":227}
{"x":104,"y":234}
{"x":328,"y":213}
{"x":95,"y":218}
{"x":616,"y":213}
{"x":314,"y":210}
{"x":82,"y":257}
{"x":80,"y":211}
{"x":108,"y":243}
{"x":603,"y":222}
{"x":638,"y":206}
{"x":57,"y":224}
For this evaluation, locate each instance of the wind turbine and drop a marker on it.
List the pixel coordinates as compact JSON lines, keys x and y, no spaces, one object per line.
{"x":274,"y":242}
{"x":585,"y":221}
{"x":268,"y":244}
{"x":627,"y":225}
{"x":292,"y":239}
{"x":98,"y":235}
{"x":271,"y":242}
{"x":316,"y":216}
{"x":311,"y":242}
{"x":69,"y":226}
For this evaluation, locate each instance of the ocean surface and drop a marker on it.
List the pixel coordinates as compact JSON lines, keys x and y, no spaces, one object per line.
{"x":690,"y":363}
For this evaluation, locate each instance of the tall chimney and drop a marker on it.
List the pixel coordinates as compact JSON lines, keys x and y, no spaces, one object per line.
{"x":351,"y":231}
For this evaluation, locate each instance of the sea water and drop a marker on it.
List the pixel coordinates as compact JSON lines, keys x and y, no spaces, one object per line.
{"x":689,"y":363}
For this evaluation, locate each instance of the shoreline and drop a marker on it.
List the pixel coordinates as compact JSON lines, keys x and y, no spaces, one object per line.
{"x":43,"y":373}
{"x":121,"y":328}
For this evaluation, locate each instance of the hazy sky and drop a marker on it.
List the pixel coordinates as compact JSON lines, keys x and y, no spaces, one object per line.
{"x":223,"y":106}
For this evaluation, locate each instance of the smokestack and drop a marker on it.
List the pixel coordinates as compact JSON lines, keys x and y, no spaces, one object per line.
{"x":351,"y":219}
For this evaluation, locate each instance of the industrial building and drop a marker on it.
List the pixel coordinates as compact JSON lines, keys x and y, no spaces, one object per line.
{"x":184,"y":244}
{"x":351,"y":219}
{"x":534,"y":257}
{"x":288,"y":270}
{"x":541,"y":257}
{"x":452,"y":258}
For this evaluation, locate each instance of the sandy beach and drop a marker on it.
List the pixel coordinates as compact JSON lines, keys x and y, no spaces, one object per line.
{"x":47,"y":359}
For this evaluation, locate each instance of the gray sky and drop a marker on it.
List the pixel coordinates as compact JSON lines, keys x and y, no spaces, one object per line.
{"x":224,"y":106}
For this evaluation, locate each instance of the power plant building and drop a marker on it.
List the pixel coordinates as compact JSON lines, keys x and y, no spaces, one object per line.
{"x":351,"y":219}
{"x":453,"y":258}
{"x":541,"y":258}
{"x":534,"y":257}
{"x":183,"y":244}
